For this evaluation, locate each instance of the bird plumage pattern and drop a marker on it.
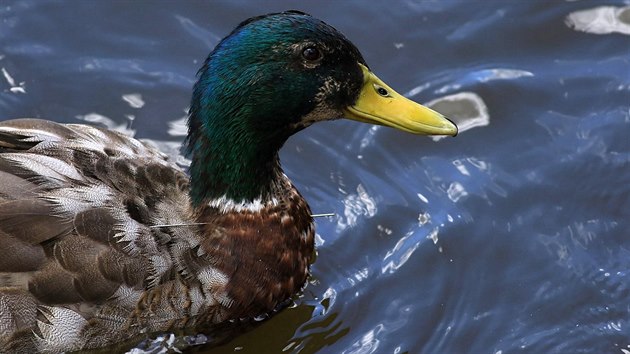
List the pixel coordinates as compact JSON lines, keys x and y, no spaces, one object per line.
{"x":104,"y":239}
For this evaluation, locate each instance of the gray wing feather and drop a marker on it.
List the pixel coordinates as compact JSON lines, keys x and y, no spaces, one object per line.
{"x":76,"y":247}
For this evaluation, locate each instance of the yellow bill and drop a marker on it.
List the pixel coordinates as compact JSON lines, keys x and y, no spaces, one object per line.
{"x":379,"y":104}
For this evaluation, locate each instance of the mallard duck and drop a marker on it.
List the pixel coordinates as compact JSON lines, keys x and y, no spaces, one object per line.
{"x":103,"y":238}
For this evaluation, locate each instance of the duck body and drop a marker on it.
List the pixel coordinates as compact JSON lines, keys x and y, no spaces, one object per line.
{"x":82,"y":265}
{"x":103,"y":239}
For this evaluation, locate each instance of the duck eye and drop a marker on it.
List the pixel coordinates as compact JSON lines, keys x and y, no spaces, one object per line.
{"x":381,"y":91}
{"x":311,"y":53}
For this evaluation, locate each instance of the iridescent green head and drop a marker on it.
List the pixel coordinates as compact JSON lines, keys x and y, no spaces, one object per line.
{"x":269,"y":78}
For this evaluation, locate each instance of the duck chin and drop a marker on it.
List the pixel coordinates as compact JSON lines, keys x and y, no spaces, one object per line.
{"x":321,"y":113}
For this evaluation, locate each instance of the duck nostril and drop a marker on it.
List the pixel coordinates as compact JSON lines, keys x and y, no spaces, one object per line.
{"x":382,"y":91}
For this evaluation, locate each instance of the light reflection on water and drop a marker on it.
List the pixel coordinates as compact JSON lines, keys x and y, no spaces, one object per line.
{"x":466,"y":109}
{"x":601,"y":20}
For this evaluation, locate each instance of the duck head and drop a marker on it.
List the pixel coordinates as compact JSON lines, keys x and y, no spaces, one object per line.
{"x":272,"y":76}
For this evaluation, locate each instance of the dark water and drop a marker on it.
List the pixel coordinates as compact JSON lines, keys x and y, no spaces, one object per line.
{"x":511,"y":238}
